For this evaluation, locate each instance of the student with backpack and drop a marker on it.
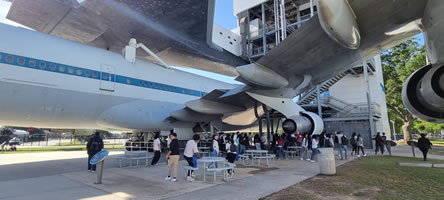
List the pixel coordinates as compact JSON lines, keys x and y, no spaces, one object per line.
{"x":94,"y":146}
{"x":304,"y":153}
{"x":360,"y":144}
{"x":353,"y":143}
{"x":342,"y":144}
{"x":231,"y":152}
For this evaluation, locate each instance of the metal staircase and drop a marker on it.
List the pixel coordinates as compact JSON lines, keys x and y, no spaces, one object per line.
{"x":312,"y":94}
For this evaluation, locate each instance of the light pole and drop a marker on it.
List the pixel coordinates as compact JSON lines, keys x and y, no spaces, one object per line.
{"x":393,"y":128}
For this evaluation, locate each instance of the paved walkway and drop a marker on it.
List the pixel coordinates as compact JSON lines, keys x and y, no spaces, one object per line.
{"x":406,"y":151}
{"x":143,"y":183}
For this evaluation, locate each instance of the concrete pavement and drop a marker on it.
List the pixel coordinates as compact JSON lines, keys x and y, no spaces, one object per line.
{"x":68,"y":179}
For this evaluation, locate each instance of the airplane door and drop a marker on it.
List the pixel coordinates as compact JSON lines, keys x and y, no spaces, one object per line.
{"x":107,"y":79}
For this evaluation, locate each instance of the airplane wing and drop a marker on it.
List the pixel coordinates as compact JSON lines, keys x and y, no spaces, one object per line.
{"x":176,"y":30}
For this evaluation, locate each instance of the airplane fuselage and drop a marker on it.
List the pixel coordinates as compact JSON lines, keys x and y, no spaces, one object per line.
{"x":50,"y":82}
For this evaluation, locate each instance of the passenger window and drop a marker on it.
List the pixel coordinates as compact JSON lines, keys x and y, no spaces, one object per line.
{"x":145,"y":84}
{"x":104,"y":76}
{"x":9,"y":59}
{"x":70,"y":70}
{"x":79,"y":72}
{"x":128,"y":81}
{"x":52,"y":66}
{"x":62,"y":68}
{"x":87,"y":73}
{"x":32,"y":63}
{"x":95,"y":74}
{"x":21,"y":61}
{"x":42,"y":65}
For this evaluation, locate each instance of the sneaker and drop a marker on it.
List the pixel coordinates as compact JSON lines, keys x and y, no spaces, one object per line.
{"x":89,"y":171}
{"x":365,"y":155}
{"x":190,"y":179}
{"x":312,"y":161}
{"x":168,"y":178}
{"x":173,"y":180}
{"x":302,"y":159}
{"x":358,"y":156}
{"x":308,"y":159}
{"x":93,"y":171}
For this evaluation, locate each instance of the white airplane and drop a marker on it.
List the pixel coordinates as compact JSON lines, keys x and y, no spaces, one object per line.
{"x":55,"y":83}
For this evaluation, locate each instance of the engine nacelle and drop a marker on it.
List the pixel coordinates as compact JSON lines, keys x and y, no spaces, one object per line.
{"x":423,"y":94}
{"x":306,"y":122}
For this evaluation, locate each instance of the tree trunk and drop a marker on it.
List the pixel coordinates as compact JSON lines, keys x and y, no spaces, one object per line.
{"x":406,"y":127}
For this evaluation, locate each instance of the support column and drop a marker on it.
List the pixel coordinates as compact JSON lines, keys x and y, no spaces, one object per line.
{"x":267,"y":114}
{"x":276,"y":22}
{"x":318,"y":92}
{"x":369,"y":102}
{"x":264,"y":29}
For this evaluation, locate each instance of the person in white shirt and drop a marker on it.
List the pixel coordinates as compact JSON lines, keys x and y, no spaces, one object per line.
{"x":215,"y":149}
{"x":314,"y":148}
{"x":304,"y":154}
{"x":264,"y":142}
{"x":156,"y":149}
{"x":191,"y":151}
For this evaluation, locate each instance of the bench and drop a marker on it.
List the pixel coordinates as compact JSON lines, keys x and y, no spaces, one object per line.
{"x":188,"y":168}
{"x":244,"y":159}
{"x":268,"y":157}
{"x":225,"y":169}
{"x":132,"y":158}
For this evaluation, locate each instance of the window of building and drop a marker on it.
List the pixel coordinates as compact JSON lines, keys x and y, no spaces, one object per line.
{"x":70,"y":70}
{"x":62,"y":68}
{"x":52,"y":67}
{"x":21,"y":61}
{"x":9,"y":59}
{"x":42,"y":65}
{"x":32,"y":63}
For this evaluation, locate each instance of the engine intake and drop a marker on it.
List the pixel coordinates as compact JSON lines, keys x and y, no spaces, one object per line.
{"x":306,"y":122}
{"x":423,"y":94}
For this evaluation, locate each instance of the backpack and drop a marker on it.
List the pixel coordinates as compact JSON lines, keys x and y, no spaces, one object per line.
{"x":344,"y":140}
{"x":299,"y":140}
{"x":233,"y":148}
{"x":352,"y":141}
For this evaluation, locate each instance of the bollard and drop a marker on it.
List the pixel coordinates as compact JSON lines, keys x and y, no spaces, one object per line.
{"x":99,"y":172}
{"x":327,"y":163}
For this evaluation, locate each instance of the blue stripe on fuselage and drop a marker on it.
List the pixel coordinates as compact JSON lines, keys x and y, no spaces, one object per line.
{"x":43,"y":65}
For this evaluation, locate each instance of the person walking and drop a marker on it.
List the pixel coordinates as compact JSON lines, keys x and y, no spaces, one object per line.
{"x":257,"y":141}
{"x":94,"y":146}
{"x":264,"y":142}
{"x":280,"y":147}
{"x":342,"y":148}
{"x":243,"y":143}
{"x":191,"y":151}
{"x":379,"y":144}
{"x":304,"y":153}
{"x":360,"y":145}
{"x":424,"y":145}
{"x":173,"y":157}
{"x":353,"y":143}
{"x":157,"y":149}
{"x":387,"y":144}
{"x":231,"y":153}
{"x":214,"y":149}
{"x":314,"y":148}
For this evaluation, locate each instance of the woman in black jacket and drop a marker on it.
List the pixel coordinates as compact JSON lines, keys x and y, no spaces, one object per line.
{"x":424,"y":145}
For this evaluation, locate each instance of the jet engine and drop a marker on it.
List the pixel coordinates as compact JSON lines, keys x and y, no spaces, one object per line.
{"x":306,"y":122}
{"x":423,"y":93}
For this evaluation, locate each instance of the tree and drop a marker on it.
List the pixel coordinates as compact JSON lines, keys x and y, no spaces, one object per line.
{"x":398,"y":64}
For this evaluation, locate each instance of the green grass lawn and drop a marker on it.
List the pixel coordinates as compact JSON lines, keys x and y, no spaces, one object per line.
{"x":374,"y":177}
{"x":438,"y":142}
{"x":58,"y":148}
{"x":398,"y":182}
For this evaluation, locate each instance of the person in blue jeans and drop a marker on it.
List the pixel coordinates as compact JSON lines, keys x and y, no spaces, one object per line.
{"x":94,"y":145}
{"x":215,"y":151}
{"x":280,"y":147}
{"x":314,"y":148}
